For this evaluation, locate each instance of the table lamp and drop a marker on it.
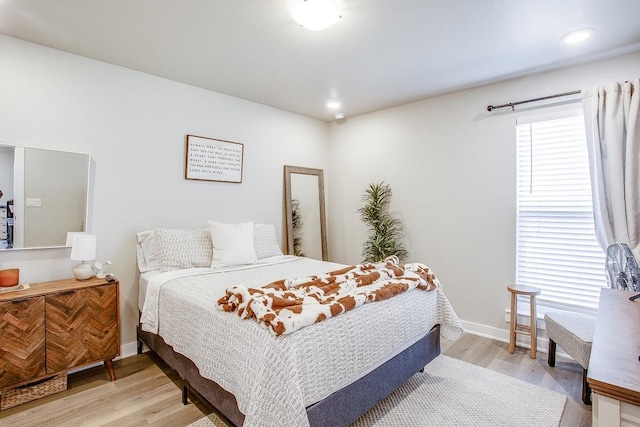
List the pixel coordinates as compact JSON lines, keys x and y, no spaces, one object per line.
{"x":83,"y":249}
{"x":70,"y":235}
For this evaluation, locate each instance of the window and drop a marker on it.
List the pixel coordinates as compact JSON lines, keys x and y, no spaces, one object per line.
{"x":556,"y":243}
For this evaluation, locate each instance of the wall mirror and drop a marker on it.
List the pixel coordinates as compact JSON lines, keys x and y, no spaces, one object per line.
{"x":305,"y":212}
{"x":44,"y":196}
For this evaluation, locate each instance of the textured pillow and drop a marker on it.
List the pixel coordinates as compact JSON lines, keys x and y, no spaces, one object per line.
{"x":265,"y":241}
{"x":183,"y":248}
{"x":147,"y":252}
{"x":232,"y":244}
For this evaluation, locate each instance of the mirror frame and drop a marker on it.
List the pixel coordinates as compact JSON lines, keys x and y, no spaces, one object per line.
{"x":288,"y":171}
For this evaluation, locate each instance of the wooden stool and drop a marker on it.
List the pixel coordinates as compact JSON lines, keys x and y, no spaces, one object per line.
{"x":514,"y":327}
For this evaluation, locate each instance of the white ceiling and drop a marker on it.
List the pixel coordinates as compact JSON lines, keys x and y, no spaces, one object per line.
{"x":381,"y":53}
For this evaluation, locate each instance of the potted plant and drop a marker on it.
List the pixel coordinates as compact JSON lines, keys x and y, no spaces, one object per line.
{"x":385,"y":232}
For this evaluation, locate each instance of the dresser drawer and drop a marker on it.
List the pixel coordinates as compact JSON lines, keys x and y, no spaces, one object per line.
{"x":22,"y":336}
{"x":82,"y":327}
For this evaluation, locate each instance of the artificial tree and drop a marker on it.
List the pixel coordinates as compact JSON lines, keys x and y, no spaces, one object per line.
{"x":385,"y":232}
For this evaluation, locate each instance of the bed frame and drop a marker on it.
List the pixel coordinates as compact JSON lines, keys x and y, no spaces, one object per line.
{"x":339,"y":409}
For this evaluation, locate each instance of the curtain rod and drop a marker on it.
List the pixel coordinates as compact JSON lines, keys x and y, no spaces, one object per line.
{"x":513,"y":104}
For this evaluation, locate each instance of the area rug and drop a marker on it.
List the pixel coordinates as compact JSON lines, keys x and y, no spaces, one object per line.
{"x":451,"y":392}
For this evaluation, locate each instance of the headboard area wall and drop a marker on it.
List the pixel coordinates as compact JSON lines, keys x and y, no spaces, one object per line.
{"x":133,"y":125}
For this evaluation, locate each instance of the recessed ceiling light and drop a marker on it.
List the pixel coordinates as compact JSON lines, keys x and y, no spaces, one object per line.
{"x":576,"y":36}
{"x":334,"y":105}
{"x":315,"y":15}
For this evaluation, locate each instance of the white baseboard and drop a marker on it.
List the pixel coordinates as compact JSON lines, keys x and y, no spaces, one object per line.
{"x":128,"y":349}
{"x":485,"y":331}
{"x":502,"y":335}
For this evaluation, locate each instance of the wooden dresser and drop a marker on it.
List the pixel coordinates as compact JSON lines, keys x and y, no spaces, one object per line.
{"x":54,"y":327}
{"x":614,"y":367}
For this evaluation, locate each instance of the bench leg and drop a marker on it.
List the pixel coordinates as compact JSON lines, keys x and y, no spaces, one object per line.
{"x":552,"y":353}
{"x":586,"y":390}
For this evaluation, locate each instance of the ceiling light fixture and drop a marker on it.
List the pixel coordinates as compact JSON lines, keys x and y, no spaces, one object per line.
{"x":334,"y":105}
{"x":315,"y":15}
{"x":576,"y":36}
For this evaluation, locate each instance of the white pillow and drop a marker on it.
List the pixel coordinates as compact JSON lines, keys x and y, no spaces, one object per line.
{"x":147,"y":252}
{"x":265,"y":241}
{"x":232,"y":244}
{"x":183,"y":248}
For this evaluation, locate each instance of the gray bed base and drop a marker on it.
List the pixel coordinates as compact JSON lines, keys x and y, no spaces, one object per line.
{"x":339,"y":409}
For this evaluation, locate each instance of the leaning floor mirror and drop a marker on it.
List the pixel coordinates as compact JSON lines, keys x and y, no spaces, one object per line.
{"x":305,"y":212}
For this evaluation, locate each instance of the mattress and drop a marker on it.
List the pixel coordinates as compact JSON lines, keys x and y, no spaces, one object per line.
{"x":275,"y":378}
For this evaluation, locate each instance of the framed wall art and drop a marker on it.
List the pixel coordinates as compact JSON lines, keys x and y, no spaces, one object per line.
{"x":209,"y":159}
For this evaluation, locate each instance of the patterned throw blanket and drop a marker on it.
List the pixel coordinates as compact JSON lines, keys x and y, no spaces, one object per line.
{"x":287,"y":305}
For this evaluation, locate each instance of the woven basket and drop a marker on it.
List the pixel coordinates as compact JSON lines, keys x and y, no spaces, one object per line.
{"x":27,"y":393}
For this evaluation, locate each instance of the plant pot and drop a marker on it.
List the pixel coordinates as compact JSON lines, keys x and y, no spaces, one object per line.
{"x":9,"y":277}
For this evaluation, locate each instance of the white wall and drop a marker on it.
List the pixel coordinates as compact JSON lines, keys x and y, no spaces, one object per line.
{"x":134,"y":126}
{"x":452,"y":169}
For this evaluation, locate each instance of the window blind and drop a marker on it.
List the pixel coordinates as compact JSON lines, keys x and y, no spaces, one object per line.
{"x":556,"y":243}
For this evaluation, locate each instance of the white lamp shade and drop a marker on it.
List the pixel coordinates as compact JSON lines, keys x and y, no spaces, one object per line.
{"x":83,"y":247}
{"x":315,"y":15}
{"x":70,"y":234}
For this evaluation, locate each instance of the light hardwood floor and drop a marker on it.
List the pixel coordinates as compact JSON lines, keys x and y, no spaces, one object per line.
{"x":147,"y":392}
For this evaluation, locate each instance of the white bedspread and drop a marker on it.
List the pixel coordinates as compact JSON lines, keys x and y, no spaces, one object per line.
{"x":143,"y":281}
{"x":275,"y":378}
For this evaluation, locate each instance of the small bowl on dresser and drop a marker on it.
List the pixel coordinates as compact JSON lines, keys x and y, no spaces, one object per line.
{"x":9,"y":277}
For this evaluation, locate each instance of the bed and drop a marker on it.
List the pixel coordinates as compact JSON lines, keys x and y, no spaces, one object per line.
{"x":328,"y":373}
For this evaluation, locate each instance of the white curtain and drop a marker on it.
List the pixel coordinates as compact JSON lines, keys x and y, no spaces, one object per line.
{"x":613,"y":139}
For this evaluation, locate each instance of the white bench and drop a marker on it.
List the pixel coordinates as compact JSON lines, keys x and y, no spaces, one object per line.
{"x":574,"y":333}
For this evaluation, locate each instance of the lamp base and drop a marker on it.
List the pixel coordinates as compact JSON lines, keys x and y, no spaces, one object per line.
{"x":83,"y":271}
